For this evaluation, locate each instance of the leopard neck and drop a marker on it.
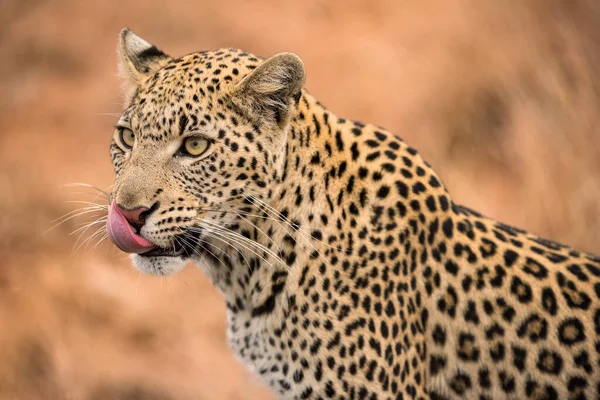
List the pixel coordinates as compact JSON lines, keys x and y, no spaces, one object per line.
{"x":289,"y":226}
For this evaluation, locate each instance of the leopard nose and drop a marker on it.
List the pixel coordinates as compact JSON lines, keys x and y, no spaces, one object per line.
{"x":137,"y":216}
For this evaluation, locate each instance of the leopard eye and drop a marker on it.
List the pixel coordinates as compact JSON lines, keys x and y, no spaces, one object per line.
{"x":194,"y":146}
{"x":127,"y":137}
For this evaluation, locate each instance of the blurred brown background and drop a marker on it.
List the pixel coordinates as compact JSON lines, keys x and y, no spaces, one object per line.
{"x":502,"y":97}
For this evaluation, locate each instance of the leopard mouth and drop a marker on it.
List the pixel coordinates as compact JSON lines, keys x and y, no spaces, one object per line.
{"x":184,"y":246}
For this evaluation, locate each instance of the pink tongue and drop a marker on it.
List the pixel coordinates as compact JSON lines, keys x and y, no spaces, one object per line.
{"x":122,"y":234}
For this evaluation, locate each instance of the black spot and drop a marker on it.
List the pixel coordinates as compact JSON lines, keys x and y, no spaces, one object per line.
{"x":363,"y":172}
{"x":594,"y":270}
{"x":418,"y":188}
{"x":548,"y":393}
{"x":373,"y":156}
{"x":510,"y":230}
{"x":183,"y":121}
{"x":372,"y":143}
{"x":498,"y":279}
{"x":467,"y":349}
{"x":497,"y":351}
{"x":375,"y":345}
{"x":315,"y":159}
{"x":316,"y":345}
{"x":521,"y":289}
{"x":507,"y":382}
{"x":556,"y":258}
{"x":439,"y":335}
{"x":380,"y":136}
{"x":578,"y":272}
{"x":508,"y":314}
{"x":534,"y":268}
{"x":461,"y":383}
{"x":448,"y":227}
{"x":510,"y":257}
{"x":269,"y":304}
{"x":582,"y":360}
{"x":402,"y":189}
{"x":534,"y":327}
{"x":383,"y":192}
{"x":451,"y":267}
{"x":354,"y":151}
{"x":488,"y":248}
{"x":444,"y":203}
{"x":390,"y":154}
{"x":467,"y":283}
{"x":549,"y":301}
{"x":549,"y":362}
{"x":316,"y":234}
{"x":519,"y":357}
{"x":574,"y":297}
{"x":448,"y":302}
{"x":488,"y":307}
{"x":436,"y":364}
{"x":471,"y":313}
{"x":571,"y":331}
{"x":430,"y":203}
{"x":484,"y":378}
{"x":577,"y":384}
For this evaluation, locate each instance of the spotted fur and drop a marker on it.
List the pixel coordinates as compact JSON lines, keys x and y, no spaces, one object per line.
{"x":348,"y":271}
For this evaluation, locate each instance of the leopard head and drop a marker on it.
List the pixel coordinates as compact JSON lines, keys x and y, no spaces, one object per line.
{"x":200,"y":135}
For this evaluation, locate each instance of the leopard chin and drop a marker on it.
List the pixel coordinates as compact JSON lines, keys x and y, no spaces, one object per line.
{"x":158,"y":265}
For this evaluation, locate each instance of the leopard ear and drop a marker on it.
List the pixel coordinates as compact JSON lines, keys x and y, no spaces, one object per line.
{"x":272,"y":89}
{"x":138,"y":58}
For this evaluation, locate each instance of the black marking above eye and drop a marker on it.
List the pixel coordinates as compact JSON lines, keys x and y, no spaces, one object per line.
{"x":183,"y":121}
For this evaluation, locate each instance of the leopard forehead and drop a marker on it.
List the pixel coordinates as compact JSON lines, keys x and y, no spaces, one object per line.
{"x":195,"y":86}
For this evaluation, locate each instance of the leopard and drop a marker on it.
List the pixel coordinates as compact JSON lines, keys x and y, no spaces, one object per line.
{"x":347,"y":270}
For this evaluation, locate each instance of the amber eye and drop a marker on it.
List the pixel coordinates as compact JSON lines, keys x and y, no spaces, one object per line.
{"x":194,"y":146}
{"x":127,"y":137}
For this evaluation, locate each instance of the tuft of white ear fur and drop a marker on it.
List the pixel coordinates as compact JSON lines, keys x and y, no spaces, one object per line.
{"x":269,"y":91}
{"x":138,"y":59}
